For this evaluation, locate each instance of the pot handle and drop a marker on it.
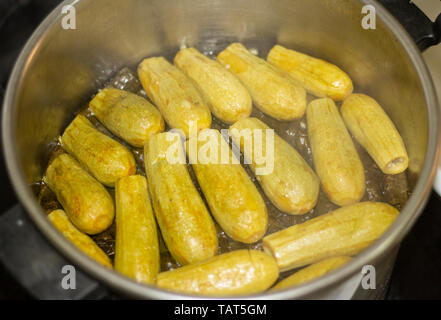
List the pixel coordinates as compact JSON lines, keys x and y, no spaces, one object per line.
{"x":425,"y":32}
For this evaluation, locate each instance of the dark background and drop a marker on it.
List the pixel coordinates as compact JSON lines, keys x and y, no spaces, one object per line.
{"x":417,"y":272}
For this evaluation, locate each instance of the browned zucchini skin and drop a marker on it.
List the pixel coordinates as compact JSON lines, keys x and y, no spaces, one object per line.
{"x":238,"y":272}
{"x":60,"y":220}
{"x":343,"y":232}
{"x":127,"y":115}
{"x":273,"y":91}
{"x":136,"y":249}
{"x":375,"y":131}
{"x":292,"y":186}
{"x":234,"y":200}
{"x":317,"y":76}
{"x":179,"y":101}
{"x":186,"y":225}
{"x":106,"y":159}
{"x":336,"y":160}
{"x":229,"y":100}
{"x":311,"y":272}
{"x":85,"y":201}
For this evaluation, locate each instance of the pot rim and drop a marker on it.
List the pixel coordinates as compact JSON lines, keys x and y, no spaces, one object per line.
{"x":391,"y":238}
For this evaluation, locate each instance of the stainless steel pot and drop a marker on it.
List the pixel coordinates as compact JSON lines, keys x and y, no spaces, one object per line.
{"x":59,"y":69}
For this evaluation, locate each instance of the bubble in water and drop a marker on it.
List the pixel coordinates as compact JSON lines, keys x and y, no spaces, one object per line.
{"x":254,"y":51}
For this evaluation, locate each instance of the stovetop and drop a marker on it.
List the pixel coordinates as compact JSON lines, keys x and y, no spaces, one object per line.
{"x":417,"y":272}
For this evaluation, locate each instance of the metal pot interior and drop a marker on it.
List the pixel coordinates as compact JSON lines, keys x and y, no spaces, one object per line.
{"x":60,"y":69}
